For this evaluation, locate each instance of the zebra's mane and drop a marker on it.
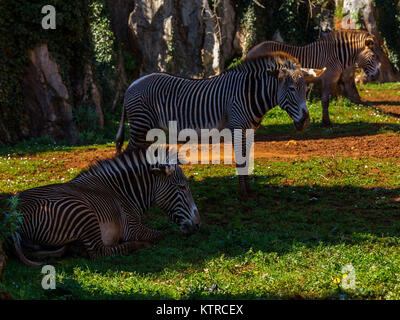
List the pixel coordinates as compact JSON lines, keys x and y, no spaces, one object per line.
{"x":342,"y":35}
{"x":272,"y":60}
{"x":135,"y":157}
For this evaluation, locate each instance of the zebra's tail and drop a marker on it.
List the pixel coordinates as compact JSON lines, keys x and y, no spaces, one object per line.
{"x":18,"y":249}
{"x":119,"y":139}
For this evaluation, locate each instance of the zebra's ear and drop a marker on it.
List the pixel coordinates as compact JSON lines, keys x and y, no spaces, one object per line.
{"x":279,"y":74}
{"x":369,"y":42}
{"x":163,"y":170}
{"x":311,"y":75}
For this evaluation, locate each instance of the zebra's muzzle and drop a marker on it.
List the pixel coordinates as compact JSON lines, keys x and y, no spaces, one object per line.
{"x":189,"y":227}
{"x":372,"y":77}
{"x":303,"y":122}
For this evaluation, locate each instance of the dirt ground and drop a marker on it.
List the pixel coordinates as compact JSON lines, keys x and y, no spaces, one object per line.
{"x":378,"y":145}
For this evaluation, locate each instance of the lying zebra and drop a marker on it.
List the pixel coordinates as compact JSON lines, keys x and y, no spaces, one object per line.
{"x":336,"y":51}
{"x":235,"y":99}
{"x":101,"y":208}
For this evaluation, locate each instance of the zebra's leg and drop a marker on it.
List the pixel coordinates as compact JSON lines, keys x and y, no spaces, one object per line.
{"x":243,"y":142}
{"x":142,"y":233}
{"x":98,"y":249}
{"x":325,"y":108}
{"x":328,"y":82}
{"x":93,"y":241}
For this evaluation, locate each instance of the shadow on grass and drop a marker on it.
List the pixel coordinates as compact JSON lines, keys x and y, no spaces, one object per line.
{"x":273,"y":221}
{"x":285,"y":132}
{"x":374,"y":105}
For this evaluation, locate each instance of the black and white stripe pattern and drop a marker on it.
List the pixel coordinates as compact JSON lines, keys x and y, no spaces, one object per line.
{"x":102,"y":207}
{"x":235,"y":99}
{"x":336,"y":51}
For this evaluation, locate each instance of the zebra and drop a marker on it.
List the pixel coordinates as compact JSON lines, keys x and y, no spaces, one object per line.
{"x":336,"y":51}
{"x":235,"y":99}
{"x":101,"y":209}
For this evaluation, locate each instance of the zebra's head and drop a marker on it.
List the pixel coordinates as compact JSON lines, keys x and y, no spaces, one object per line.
{"x":291,"y":93}
{"x":368,"y":60}
{"x":173,"y":195}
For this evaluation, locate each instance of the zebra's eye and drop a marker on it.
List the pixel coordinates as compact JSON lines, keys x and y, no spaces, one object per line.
{"x":292,"y":88}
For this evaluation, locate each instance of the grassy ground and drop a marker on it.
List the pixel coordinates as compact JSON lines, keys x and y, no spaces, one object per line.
{"x":311,"y":217}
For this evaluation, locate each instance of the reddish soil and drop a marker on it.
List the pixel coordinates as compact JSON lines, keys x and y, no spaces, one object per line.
{"x":379,"y":145}
{"x":79,"y":159}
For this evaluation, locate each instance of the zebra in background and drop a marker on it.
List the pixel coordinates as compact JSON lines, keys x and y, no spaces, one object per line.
{"x":101,"y":208}
{"x":335,"y":51}
{"x":235,"y":99}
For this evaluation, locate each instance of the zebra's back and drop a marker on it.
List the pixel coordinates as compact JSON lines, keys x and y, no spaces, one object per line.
{"x":192,"y":103}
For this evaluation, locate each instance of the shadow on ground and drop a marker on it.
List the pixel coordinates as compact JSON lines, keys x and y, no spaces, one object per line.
{"x":270,"y":222}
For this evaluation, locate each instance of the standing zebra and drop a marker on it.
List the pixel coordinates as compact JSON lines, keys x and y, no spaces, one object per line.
{"x":102,"y":207}
{"x":235,"y":99}
{"x":336,"y":52}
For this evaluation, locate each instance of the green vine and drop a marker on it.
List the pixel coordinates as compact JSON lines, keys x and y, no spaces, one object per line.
{"x":83,"y":35}
{"x":10,"y":218}
{"x":388,"y":23}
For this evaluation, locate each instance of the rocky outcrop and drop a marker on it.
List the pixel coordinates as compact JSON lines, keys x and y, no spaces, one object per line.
{"x":47,"y":102}
{"x":47,"y":111}
{"x":176,"y":30}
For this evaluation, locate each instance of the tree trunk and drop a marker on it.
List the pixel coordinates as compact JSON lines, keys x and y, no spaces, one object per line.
{"x":176,"y":30}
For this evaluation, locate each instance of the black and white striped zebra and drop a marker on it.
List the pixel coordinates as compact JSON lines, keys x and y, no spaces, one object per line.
{"x":236,"y":99}
{"x":101,"y":209}
{"x":336,"y":51}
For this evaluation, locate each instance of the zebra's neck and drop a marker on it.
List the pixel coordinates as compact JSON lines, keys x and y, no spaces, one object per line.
{"x":254,"y":89}
{"x":126,"y":176}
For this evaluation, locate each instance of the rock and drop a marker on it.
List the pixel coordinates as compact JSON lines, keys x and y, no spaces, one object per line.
{"x":47,"y":112}
{"x":176,"y":30}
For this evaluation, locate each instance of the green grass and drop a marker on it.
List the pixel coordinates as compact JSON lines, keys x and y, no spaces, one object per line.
{"x":309,"y":219}
{"x":348,"y":118}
